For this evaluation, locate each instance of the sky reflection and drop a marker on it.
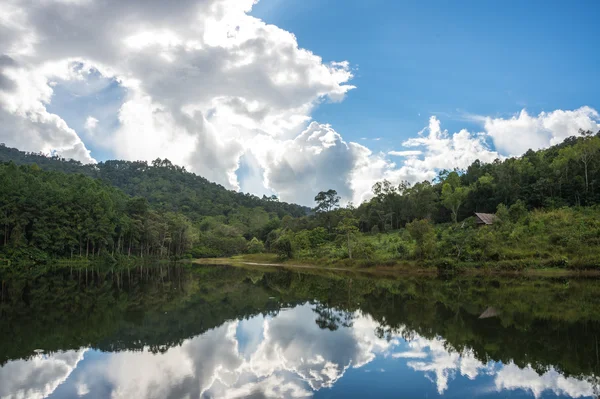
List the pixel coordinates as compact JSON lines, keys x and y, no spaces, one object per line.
{"x":287,"y":356}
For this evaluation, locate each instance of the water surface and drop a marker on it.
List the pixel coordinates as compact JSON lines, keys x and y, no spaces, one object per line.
{"x":225,"y":332}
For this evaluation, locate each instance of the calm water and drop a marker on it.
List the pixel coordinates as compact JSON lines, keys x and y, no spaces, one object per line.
{"x":224,"y":332}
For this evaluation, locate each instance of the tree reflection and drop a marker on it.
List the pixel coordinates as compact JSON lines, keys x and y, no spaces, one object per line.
{"x":546,"y":323}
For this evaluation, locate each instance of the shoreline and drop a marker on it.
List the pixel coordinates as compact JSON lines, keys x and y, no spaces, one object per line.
{"x":398,"y":269}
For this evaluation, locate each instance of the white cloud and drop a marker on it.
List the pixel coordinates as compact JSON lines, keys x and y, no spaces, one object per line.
{"x":442,"y":150}
{"x":91,"y":123}
{"x":409,"y":355}
{"x":408,"y":153}
{"x":202,"y":78}
{"x":292,"y":357}
{"x":208,"y":86}
{"x":24,"y":120}
{"x":316,"y":160}
{"x":514,"y":136}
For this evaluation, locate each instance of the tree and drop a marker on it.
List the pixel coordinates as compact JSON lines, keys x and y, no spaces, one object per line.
{"x":255,"y":246}
{"x":422,"y":232}
{"x":422,"y":200}
{"x":327,"y":201}
{"x":283,"y":247}
{"x":348,"y":227}
{"x":585,"y":151}
{"x":453,"y":194}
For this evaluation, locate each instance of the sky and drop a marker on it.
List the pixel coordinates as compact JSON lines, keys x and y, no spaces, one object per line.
{"x":293,"y":97}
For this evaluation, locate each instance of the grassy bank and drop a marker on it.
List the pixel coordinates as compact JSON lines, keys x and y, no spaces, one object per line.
{"x":565,"y":239}
{"x":413,"y":267}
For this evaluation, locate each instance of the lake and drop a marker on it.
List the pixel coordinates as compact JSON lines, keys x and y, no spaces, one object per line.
{"x":178,"y":331}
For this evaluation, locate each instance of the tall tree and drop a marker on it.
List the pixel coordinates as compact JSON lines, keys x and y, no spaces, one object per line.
{"x":348,"y":227}
{"x":327,"y":201}
{"x":585,"y":151}
{"x":453,"y":194}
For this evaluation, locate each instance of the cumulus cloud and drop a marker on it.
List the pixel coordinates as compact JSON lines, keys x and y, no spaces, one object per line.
{"x":447,"y":151}
{"x":434,"y":149}
{"x":515,"y":135}
{"x":211,"y":87}
{"x":296,"y":168}
{"x":294,"y":343}
{"x":24,"y":120}
{"x":202,"y":77}
{"x":291,"y":358}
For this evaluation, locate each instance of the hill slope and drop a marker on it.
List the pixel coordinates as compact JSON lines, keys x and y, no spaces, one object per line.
{"x":167,"y":187}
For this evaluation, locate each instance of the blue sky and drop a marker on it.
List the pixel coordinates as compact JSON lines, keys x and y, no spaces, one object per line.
{"x":260,"y":98}
{"x":415,"y":59}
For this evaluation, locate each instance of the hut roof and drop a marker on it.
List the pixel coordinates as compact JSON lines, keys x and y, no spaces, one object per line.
{"x":489,"y":312}
{"x":485,"y":218}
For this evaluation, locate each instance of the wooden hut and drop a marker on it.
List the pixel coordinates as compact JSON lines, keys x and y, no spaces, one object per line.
{"x":485,"y":219}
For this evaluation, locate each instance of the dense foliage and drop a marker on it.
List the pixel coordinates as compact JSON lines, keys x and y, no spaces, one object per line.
{"x":166,"y":186}
{"x":52,"y":214}
{"x":56,"y":214}
{"x":57,"y":207}
{"x":545,"y":205}
{"x":567,"y":174}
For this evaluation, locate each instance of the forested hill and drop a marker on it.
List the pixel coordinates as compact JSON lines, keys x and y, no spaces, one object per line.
{"x":564,"y":175}
{"x":166,"y":186}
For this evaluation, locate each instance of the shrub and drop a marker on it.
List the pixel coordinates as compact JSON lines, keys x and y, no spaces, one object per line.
{"x":424,"y":235}
{"x":255,"y":246}
{"x":283,"y":247}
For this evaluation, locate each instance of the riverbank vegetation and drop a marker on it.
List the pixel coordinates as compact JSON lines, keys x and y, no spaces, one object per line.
{"x":545,"y":207}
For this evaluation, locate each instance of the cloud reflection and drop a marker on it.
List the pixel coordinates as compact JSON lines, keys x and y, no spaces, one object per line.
{"x":39,"y":376}
{"x":285,"y":356}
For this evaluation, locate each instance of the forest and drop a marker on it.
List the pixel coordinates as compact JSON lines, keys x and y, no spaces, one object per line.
{"x":545,"y":206}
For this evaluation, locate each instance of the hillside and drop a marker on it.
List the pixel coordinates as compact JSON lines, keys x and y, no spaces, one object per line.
{"x":167,"y":187}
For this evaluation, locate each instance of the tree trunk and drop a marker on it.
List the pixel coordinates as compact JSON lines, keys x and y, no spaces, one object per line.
{"x":349,"y":248}
{"x":586,"y":175}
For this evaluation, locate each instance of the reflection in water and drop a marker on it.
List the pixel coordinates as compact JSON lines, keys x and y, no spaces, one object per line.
{"x":230,"y":333}
{"x":38,"y":376}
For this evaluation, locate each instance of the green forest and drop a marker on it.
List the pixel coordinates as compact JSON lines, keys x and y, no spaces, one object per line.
{"x":545,"y":206}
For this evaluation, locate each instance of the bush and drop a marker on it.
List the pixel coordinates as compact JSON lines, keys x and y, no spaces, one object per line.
{"x":363,"y":250}
{"x":255,"y":246}
{"x":424,"y":235}
{"x":283,"y":248}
